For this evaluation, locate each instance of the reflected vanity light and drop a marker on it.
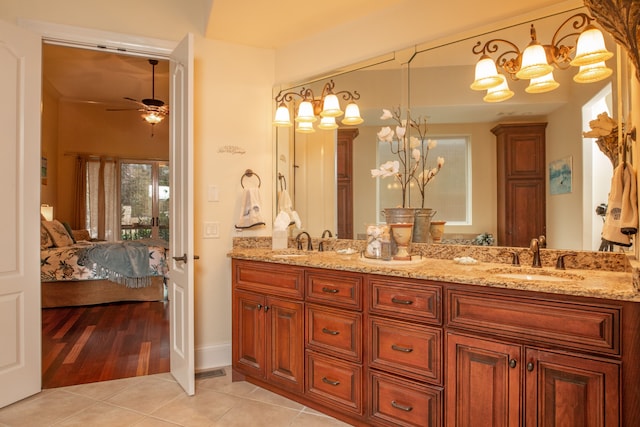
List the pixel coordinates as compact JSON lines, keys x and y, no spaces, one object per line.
{"x":537,"y":61}
{"x":327,"y":107}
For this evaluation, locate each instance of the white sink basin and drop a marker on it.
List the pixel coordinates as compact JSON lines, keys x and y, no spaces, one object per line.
{"x":536,"y":277}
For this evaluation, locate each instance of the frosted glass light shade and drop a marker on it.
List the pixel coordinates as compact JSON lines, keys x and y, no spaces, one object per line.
{"x":331,"y":106}
{"x":328,"y":123}
{"x":592,"y":73}
{"x":305,"y":127}
{"x":486,"y":75}
{"x":542,"y":84}
{"x":153,"y":117}
{"x":282,"y":119}
{"x":305,"y":112}
{"x":534,"y":62}
{"x":590,"y":48}
{"x":352,"y":115}
{"x":499,"y":93}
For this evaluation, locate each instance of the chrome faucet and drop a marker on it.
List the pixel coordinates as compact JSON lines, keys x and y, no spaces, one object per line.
{"x":299,"y":241}
{"x":535,"y":250}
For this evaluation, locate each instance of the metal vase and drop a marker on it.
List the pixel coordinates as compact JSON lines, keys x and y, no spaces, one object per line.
{"x":422,"y":225}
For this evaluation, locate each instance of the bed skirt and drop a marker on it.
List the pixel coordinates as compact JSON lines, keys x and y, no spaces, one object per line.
{"x":91,"y":292}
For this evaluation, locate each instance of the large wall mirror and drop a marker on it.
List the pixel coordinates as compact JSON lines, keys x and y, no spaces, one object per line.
{"x":432,"y":81}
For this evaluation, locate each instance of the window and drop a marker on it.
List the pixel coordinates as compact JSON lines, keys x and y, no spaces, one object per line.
{"x":144,"y":200}
{"x":449,"y":193}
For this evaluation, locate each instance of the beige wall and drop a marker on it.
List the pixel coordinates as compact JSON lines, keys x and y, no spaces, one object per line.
{"x":49,"y":146}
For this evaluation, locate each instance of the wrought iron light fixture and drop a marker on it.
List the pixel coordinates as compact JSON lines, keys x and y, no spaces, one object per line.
{"x":537,"y":62}
{"x":326,"y":106}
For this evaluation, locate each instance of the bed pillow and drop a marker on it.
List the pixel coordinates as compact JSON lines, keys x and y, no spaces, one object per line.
{"x":45,"y":238}
{"x":69,"y":231}
{"x":58,"y":233}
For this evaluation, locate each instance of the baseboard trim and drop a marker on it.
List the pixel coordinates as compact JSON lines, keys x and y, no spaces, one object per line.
{"x":213,"y":356}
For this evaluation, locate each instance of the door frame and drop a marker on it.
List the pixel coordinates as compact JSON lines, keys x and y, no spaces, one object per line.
{"x":116,"y":43}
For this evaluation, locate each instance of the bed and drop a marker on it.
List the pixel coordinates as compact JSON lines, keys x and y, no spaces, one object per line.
{"x":69,"y":277}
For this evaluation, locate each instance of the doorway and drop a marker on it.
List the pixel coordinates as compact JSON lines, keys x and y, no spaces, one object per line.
{"x":89,"y":109}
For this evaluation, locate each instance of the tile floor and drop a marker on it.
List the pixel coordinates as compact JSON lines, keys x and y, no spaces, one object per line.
{"x":157,"y":400}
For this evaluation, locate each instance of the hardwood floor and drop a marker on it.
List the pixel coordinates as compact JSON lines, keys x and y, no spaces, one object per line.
{"x":104,"y":342}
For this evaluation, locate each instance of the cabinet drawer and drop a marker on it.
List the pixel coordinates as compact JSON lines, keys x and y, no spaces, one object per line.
{"x":334,"y":382}
{"x":406,"y":349}
{"x":406,"y":299}
{"x":269,"y":278}
{"x":334,"y":331}
{"x":567,"y":325}
{"x":399,"y":402}
{"x":339,"y":289}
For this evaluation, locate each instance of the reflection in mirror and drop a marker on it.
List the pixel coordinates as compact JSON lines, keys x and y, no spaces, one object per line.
{"x":433,"y":82}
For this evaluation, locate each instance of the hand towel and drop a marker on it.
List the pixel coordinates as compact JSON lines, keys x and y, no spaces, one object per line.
{"x":621,"y":220}
{"x":251,"y":210}
{"x":285,"y":205}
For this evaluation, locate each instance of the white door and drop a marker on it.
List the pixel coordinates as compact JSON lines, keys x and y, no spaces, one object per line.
{"x":20,"y":353}
{"x":181,"y":216}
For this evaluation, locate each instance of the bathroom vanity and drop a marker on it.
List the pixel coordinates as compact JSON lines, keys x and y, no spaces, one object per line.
{"x":431,"y":342}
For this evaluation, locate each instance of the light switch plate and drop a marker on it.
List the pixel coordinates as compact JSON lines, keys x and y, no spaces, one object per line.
{"x":213,"y":194}
{"x":211,"y":230}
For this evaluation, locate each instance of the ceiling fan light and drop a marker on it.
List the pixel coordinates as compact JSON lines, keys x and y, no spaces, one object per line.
{"x":282,"y":118}
{"x":305,"y":112}
{"x":153,"y":117}
{"x":331,"y":106}
{"x":542,"y":84}
{"x":592,"y":73}
{"x":486,"y":74}
{"x":352,"y":115}
{"x":305,"y":127}
{"x":590,"y":48}
{"x":499,"y":93}
{"x":534,"y":62}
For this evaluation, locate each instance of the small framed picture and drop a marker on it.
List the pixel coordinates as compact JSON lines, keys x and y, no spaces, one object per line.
{"x":560,"y":176}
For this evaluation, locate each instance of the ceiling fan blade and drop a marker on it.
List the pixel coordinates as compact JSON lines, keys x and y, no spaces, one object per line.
{"x":124,"y":109}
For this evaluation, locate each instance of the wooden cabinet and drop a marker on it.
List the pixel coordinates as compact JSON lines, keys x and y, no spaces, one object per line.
{"x":390,"y":351}
{"x":268,"y":331}
{"x":404,"y":343}
{"x":506,"y":379}
{"x":521,"y":182}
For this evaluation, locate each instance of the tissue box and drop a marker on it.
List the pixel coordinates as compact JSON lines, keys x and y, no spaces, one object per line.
{"x":279,"y":239}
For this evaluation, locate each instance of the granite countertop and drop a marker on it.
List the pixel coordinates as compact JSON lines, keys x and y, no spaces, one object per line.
{"x":598,"y":283}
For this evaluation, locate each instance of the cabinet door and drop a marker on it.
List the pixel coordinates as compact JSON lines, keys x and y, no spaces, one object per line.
{"x":483,"y":383}
{"x":564,"y":390}
{"x":285,"y":343}
{"x":248,"y":333}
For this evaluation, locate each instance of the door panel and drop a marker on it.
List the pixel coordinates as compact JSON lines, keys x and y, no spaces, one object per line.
{"x":181,"y":216}
{"x":20,"y":352}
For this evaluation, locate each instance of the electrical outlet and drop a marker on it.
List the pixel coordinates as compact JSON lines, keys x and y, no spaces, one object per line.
{"x":211,"y":230}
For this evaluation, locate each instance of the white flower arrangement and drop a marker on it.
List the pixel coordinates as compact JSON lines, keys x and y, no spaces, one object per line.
{"x":412,"y":151}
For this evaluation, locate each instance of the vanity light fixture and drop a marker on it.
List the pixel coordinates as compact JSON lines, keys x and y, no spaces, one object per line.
{"x":537,"y":62}
{"x":326,"y":106}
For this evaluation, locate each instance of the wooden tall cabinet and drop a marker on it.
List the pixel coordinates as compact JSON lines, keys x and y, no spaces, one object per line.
{"x":344,"y":171}
{"x":521,"y":182}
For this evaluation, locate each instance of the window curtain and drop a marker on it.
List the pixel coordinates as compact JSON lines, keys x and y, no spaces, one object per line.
{"x":80,"y":199}
{"x":102,"y":199}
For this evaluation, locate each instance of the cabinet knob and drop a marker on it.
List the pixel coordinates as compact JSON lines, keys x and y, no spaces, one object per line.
{"x":259,"y":307}
{"x":266,"y":308}
{"x":530,"y":366}
{"x":401,"y":407}
{"x":512,"y":363}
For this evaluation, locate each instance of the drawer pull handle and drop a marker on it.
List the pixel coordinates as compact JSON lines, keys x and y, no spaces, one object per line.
{"x":401,"y":407}
{"x":401,"y":301}
{"x":330,"y":332}
{"x":328,"y":381}
{"x":330,"y":290}
{"x":402,"y":349}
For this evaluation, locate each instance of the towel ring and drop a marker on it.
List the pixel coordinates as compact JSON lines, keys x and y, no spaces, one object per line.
{"x":282,"y":179}
{"x":250,"y":173}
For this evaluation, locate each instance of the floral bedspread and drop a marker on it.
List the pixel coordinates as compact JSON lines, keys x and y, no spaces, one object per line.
{"x":59,"y":264}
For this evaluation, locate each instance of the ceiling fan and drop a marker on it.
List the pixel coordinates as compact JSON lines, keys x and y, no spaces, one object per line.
{"x":153,"y":110}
